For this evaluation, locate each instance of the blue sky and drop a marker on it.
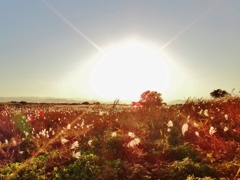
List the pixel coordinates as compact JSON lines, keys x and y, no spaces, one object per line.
{"x":43,"y":52}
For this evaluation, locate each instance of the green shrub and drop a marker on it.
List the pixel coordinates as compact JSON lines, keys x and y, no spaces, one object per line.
{"x":83,"y":168}
{"x":182,"y":169}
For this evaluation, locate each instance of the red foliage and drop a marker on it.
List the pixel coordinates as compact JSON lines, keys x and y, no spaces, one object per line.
{"x":149,"y":99}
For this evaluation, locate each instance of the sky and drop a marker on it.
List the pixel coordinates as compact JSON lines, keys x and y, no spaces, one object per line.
{"x":54,"y":48}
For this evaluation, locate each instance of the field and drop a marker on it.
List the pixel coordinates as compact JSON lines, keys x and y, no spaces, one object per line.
{"x":196,"y":140}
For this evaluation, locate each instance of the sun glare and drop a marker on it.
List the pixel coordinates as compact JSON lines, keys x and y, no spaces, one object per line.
{"x":128,"y":69}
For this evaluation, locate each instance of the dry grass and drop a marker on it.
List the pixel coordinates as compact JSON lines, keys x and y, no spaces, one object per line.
{"x":117,"y":138}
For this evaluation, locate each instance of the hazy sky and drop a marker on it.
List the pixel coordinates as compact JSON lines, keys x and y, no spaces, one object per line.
{"x":48,"y":48}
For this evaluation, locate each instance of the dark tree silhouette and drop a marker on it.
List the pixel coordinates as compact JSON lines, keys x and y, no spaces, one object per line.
{"x":218,"y":93}
{"x":85,"y":103}
{"x":23,"y":102}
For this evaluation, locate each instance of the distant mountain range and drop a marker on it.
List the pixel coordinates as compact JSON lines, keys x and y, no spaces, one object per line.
{"x":65,"y":100}
{"x":178,"y":101}
{"x":41,"y":100}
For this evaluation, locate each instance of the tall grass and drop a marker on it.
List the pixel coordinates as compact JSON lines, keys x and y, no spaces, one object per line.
{"x":197,"y":139}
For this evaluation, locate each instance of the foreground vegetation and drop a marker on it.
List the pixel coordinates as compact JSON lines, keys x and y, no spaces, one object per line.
{"x":199,"y":139}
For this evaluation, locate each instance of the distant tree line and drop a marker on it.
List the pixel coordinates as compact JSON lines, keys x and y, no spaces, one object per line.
{"x":83,"y":103}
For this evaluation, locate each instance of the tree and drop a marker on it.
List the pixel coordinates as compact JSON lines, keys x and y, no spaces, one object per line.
{"x":23,"y":102}
{"x":218,"y":93}
{"x":85,"y":103}
{"x":149,"y":100}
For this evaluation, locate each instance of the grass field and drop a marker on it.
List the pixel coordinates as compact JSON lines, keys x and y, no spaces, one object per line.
{"x":196,"y":140}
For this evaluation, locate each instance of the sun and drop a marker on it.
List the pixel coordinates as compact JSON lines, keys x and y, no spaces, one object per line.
{"x":128,"y":69}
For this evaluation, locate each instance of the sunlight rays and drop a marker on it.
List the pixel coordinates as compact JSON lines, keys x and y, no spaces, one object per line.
{"x":101,"y":82}
{"x":72,"y":26}
{"x":201,"y":16}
